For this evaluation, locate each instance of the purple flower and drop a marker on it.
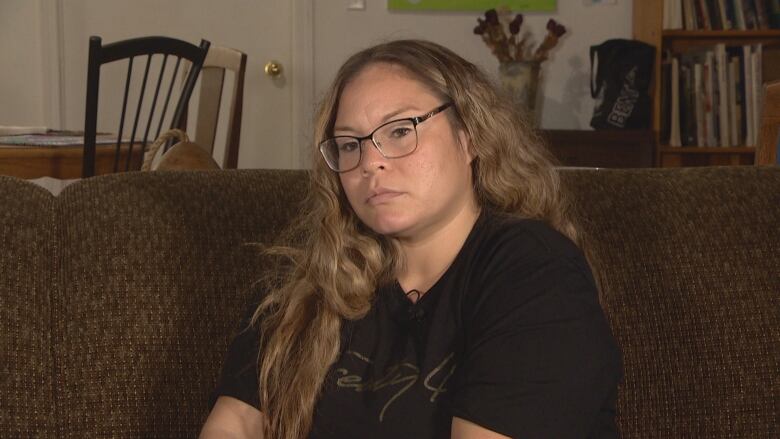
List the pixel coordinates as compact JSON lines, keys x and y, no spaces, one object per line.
{"x":491,"y":16}
{"x":506,"y":47}
{"x":481,"y":27}
{"x":514,"y":25}
{"x":555,"y":28}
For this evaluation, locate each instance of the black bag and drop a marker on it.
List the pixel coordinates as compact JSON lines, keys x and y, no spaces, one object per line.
{"x":621,"y":87}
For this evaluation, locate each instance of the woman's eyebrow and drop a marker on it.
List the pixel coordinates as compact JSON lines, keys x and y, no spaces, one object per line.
{"x":386,"y":118}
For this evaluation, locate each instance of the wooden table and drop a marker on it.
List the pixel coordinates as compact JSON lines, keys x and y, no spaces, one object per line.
{"x":586,"y":148}
{"x":63,"y":162}
{"x":601,"y":148}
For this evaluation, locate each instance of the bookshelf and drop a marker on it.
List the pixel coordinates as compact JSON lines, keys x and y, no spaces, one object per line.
{"x":648,"y":27}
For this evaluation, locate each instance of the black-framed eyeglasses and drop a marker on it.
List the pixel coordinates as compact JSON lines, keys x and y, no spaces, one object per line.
{"x":394,"y":139}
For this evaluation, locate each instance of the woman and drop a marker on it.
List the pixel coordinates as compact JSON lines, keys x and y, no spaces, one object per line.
{"x":435,"y":289}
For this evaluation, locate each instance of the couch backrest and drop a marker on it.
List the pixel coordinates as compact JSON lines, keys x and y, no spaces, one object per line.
{"x":28,"y":254}
{"x":119,"y":296}
{"x":157,"y":273}
{"x":689,"y":266}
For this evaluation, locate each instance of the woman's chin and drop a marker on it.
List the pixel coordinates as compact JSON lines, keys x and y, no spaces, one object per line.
{"x":392,"y":227}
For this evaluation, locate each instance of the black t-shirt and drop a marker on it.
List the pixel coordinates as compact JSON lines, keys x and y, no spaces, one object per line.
{"x":511,"y":338}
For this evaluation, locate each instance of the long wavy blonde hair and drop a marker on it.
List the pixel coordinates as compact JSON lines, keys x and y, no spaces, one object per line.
{"x":334,"y":263}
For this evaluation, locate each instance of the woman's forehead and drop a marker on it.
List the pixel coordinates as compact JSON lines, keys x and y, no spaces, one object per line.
{"x":379,"y":88}
{"x":377,"y":78}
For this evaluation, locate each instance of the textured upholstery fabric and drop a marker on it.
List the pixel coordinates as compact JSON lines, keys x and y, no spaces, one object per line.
{"x":156,"y":271}
{"x":118,"y":298}
{"x":28,"y":254}
{"x":689,"y":268}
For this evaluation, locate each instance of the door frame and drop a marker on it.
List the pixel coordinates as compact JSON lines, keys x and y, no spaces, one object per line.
{"x":302,"y":81}
{"x":52,"y":51}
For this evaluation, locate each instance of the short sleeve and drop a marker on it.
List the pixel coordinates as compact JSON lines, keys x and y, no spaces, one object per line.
{"x":238,"y":377}
{"x":539,"y":358}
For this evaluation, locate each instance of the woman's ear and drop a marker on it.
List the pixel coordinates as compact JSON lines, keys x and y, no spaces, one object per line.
{"x":464,"y":142}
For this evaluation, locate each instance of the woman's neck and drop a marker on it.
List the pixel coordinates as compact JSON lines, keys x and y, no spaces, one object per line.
{"x":426,"y":259}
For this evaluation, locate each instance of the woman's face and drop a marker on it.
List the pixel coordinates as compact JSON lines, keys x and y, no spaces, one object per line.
{"x":414,"y":196}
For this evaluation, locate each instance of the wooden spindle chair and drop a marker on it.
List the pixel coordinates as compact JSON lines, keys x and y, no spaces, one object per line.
{"x":218,"y":61}
{"x":145,"y":47}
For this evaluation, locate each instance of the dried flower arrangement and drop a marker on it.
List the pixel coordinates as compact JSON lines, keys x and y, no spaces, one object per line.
{"x":507,"y":48}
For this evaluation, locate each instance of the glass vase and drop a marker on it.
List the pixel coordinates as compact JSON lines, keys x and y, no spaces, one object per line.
{"x":520,"y":79}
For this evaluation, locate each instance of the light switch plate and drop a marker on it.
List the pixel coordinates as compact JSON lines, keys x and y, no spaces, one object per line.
{"x":356,"y":5}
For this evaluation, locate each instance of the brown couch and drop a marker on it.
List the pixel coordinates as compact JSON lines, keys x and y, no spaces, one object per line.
{"x":118,"y":297}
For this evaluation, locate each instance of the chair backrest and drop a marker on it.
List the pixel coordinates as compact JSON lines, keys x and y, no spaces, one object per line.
{"x":767,"y":146}
{"x":144,"y":118}
{"x":212,"y":81}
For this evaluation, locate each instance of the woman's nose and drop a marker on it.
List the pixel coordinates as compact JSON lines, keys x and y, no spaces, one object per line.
{"x":372,"y":157}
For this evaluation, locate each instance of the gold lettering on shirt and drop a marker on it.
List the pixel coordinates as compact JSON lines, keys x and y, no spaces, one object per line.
{"x":406,"y":374}
{"x":447,"y":374}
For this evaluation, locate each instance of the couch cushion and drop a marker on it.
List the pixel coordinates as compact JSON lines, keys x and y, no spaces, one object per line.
{"x":156,"y":270}
{"x":689,"y":267}
{"x":28,"y":257}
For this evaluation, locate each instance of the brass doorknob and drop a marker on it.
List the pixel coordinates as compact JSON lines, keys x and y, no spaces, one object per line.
{"x":273,"y":69}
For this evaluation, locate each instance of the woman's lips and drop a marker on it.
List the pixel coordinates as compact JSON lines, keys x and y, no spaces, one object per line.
{"x":382,"y":197}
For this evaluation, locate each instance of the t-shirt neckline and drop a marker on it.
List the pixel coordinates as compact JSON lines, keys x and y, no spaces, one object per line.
{"x":434,"y":289}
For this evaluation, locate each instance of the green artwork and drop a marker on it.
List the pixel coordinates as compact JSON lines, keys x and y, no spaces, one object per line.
{"x":472,"y":5}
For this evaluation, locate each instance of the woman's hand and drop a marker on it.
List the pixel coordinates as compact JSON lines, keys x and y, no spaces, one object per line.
{"x":463,"y":429}
{"x":233,"y":419}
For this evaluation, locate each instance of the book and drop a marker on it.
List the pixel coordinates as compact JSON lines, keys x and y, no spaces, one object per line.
{"x":674,"y":122}
{"x":709,"y":99}
{"x":758,"y":90}
{"x":741,"y":113}
{"x":748,"y":87}
{"x":739,"y":14}
{"x":673,"y":14}
{"x":699,"y":105}
{"x":10,"y":130}
{"x":687,"y":104}
{"x":731,"y":17}
{"x":666,"y":100}
{"x":762,"y":15}
{"x":713,"y":10}
{"x":726,"y":20}
{"x":55,"y":138}
{"x":749,"y":12}
{"x":689,"y":15}
{"x":773,"y":11}
{"x":735,"y":107}
{"x":722,"y":93}
{"x":702,"y":15}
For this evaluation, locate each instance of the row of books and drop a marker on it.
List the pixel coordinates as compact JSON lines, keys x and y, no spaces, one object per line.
{"x":721,"y":14}
{"x":712,"y":97}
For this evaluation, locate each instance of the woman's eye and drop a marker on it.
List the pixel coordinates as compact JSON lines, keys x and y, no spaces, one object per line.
{"x":400,"y":132}
{"x":348,"y":146}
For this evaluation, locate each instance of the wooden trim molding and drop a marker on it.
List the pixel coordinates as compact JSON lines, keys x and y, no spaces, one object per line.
{"x":52,"y":53}
{"x":302,"y":81}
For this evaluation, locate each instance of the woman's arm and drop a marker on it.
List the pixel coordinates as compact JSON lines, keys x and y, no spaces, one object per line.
{"x":233,"y":419}
{"x":463,"y":429}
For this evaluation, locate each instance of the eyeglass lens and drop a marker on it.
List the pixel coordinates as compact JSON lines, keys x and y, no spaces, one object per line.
{"x":393,"y":140}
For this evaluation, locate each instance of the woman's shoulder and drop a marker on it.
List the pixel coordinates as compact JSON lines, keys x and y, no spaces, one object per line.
{"x":507,"y":236}
{"x":524,"y":264}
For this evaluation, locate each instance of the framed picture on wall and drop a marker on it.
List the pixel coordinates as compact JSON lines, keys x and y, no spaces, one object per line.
{"x":472,"y":5}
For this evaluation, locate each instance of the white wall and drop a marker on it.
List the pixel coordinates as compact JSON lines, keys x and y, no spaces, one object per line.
{"x":567,"y":104}
{"x":38,"y":54}
{"x":236,"y":23}
{"x":22,"y":82}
